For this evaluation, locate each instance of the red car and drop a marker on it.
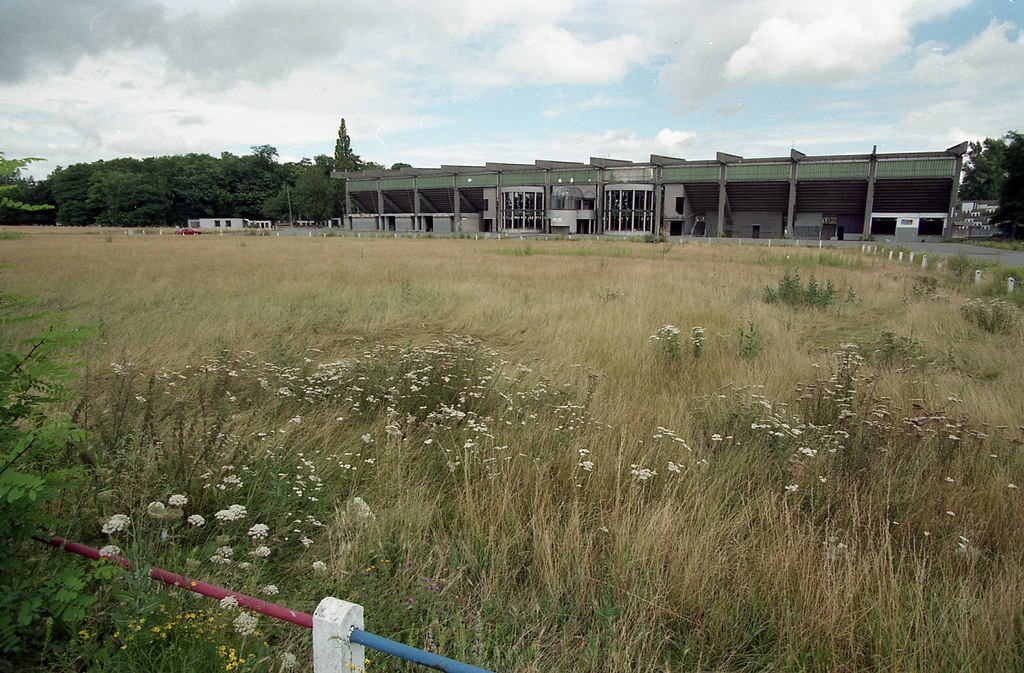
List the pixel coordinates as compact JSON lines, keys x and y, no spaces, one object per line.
{"x":189,"y":232}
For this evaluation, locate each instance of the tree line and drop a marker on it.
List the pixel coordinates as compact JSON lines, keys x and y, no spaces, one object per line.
{"x":169,"y":190}
{"x":994,"y":171}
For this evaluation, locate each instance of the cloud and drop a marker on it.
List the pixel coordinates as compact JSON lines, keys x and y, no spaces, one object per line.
{"x":55,"y":34}
{"x":548,"y":54}
{"x":709,"y":47}
{"x":600,"y":101}
{"x":990,"y":60}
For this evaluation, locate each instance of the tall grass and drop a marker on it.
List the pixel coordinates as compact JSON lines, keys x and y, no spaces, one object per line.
{"x":550,"y":489}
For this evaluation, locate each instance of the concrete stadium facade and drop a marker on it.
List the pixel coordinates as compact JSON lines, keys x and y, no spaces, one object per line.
{"x":902,"y":196}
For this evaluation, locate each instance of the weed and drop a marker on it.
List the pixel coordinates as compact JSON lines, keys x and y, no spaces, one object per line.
{"x":751,"y":341}
{"x":790,"y":291}
{"x":992,"y":315}
{"x":607,"y":294}
{"x":667,"y":341}
{"x":890,"y":348}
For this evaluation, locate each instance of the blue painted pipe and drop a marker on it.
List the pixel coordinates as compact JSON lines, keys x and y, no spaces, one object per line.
{"x":412,"y":654}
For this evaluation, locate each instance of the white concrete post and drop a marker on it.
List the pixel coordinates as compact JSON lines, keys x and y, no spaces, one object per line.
{"x":769,"y":242}
{"x":890,"y":255}
{"x":938,"y":266}
{"x":901,"y":255}
{"x":924,"y":261}
{"x":333,"y":622}
{"x":911,"y":258}
{"x":977,"y":277}
{"x":1011,"y":284}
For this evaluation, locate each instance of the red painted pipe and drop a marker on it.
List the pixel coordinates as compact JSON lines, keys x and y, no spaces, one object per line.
{"x":254,"y":604}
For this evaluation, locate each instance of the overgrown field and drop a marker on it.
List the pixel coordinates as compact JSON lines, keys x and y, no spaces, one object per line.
{"x":543,"y":456}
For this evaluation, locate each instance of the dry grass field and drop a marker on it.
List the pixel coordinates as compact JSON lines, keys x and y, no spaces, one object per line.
{"x":830,"y":486}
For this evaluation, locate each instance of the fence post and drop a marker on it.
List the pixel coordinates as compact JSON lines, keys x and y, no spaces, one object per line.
{"x":1011,"y":284}
{"x":977,"y":277}
{"x":333,"y":652}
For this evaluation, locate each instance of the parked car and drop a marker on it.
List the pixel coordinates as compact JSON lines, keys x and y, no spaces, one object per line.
{"x":189,"y":232}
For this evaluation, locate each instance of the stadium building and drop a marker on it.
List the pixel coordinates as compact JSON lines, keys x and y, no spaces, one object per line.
{"x":905,"y":196}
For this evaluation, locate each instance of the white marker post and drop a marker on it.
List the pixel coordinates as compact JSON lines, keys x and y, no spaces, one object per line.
{"x":333,"y":622}
{"x":977,"y":277}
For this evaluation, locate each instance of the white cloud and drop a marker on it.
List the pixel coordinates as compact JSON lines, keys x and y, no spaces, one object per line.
{"x":548,"y":54}
{"x":600,"y":101}
{"x":992,"y":59}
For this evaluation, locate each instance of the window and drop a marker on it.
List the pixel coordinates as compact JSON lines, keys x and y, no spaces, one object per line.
{"x":679,"y":204}
{"x":629,"y":209}
{"x":522,"y":208}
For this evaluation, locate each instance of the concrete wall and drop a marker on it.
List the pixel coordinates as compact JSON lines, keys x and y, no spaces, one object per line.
{"x":470,"y":222}
{"x":807,"y":225}
{"x":363,"y":223}
{"x":770,"y":223}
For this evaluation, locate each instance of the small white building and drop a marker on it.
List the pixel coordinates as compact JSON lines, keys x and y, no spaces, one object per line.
{"x":218,"y":223}
{"x":226,"y":223}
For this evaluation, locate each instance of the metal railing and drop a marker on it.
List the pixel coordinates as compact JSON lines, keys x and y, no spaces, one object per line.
{"x":337,"y":625}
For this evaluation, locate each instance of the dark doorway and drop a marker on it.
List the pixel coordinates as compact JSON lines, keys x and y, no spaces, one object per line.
{"x":755,"y":231}
{"x":840,"y":232}
{"x":700,"y":228}
{"x":883,"y":226}
{"x":675,"y":228}
{"x":930,"y":226}
{"x":428,"y":223}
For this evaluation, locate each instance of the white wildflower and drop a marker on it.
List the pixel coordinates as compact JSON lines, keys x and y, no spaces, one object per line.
{"x":261,"y":552}
{"x":259,"y":531}
{"x":270,"y":589}
{"x":116,"y":524}
{"x":319,"y":566}
{"x":793,"y":488}
{"x":177,"y":500}
{"x":288,"y":661}
{"x":587,"y":465}
{"x":196,"y":520}
{"x":246,"y":623}
{"x":156,"y":510}
{"x":232,"y":513}
{"x":228,"y":602}
{"x":109,"y":550}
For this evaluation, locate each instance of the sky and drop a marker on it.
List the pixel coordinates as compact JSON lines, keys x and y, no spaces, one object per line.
{"x":470,"y":81}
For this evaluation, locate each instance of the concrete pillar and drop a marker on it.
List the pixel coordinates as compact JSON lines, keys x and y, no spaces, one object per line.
{"x":869,"y":201}
{"x":901,"y":255}
{"x":417,"y":223}
{"x":924,"y":262}
{"x":977,"y":277}
{"x":380,"y":206}
{"x":1011,"y":284}
{"x":333,"y":622}
{"x":911,"y":258}
{"x":457,"y":215}
{"x":723,"y":196}
{"x":791,"y":204}
{"x":947,"y":229}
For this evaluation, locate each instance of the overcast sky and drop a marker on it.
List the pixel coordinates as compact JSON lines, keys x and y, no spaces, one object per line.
{"x":469,"y":81}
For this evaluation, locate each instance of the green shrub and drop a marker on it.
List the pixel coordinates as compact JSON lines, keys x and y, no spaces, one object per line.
{"x":890,"y":348}
{"x":790,"y":291}
{"x":34,"y":453}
